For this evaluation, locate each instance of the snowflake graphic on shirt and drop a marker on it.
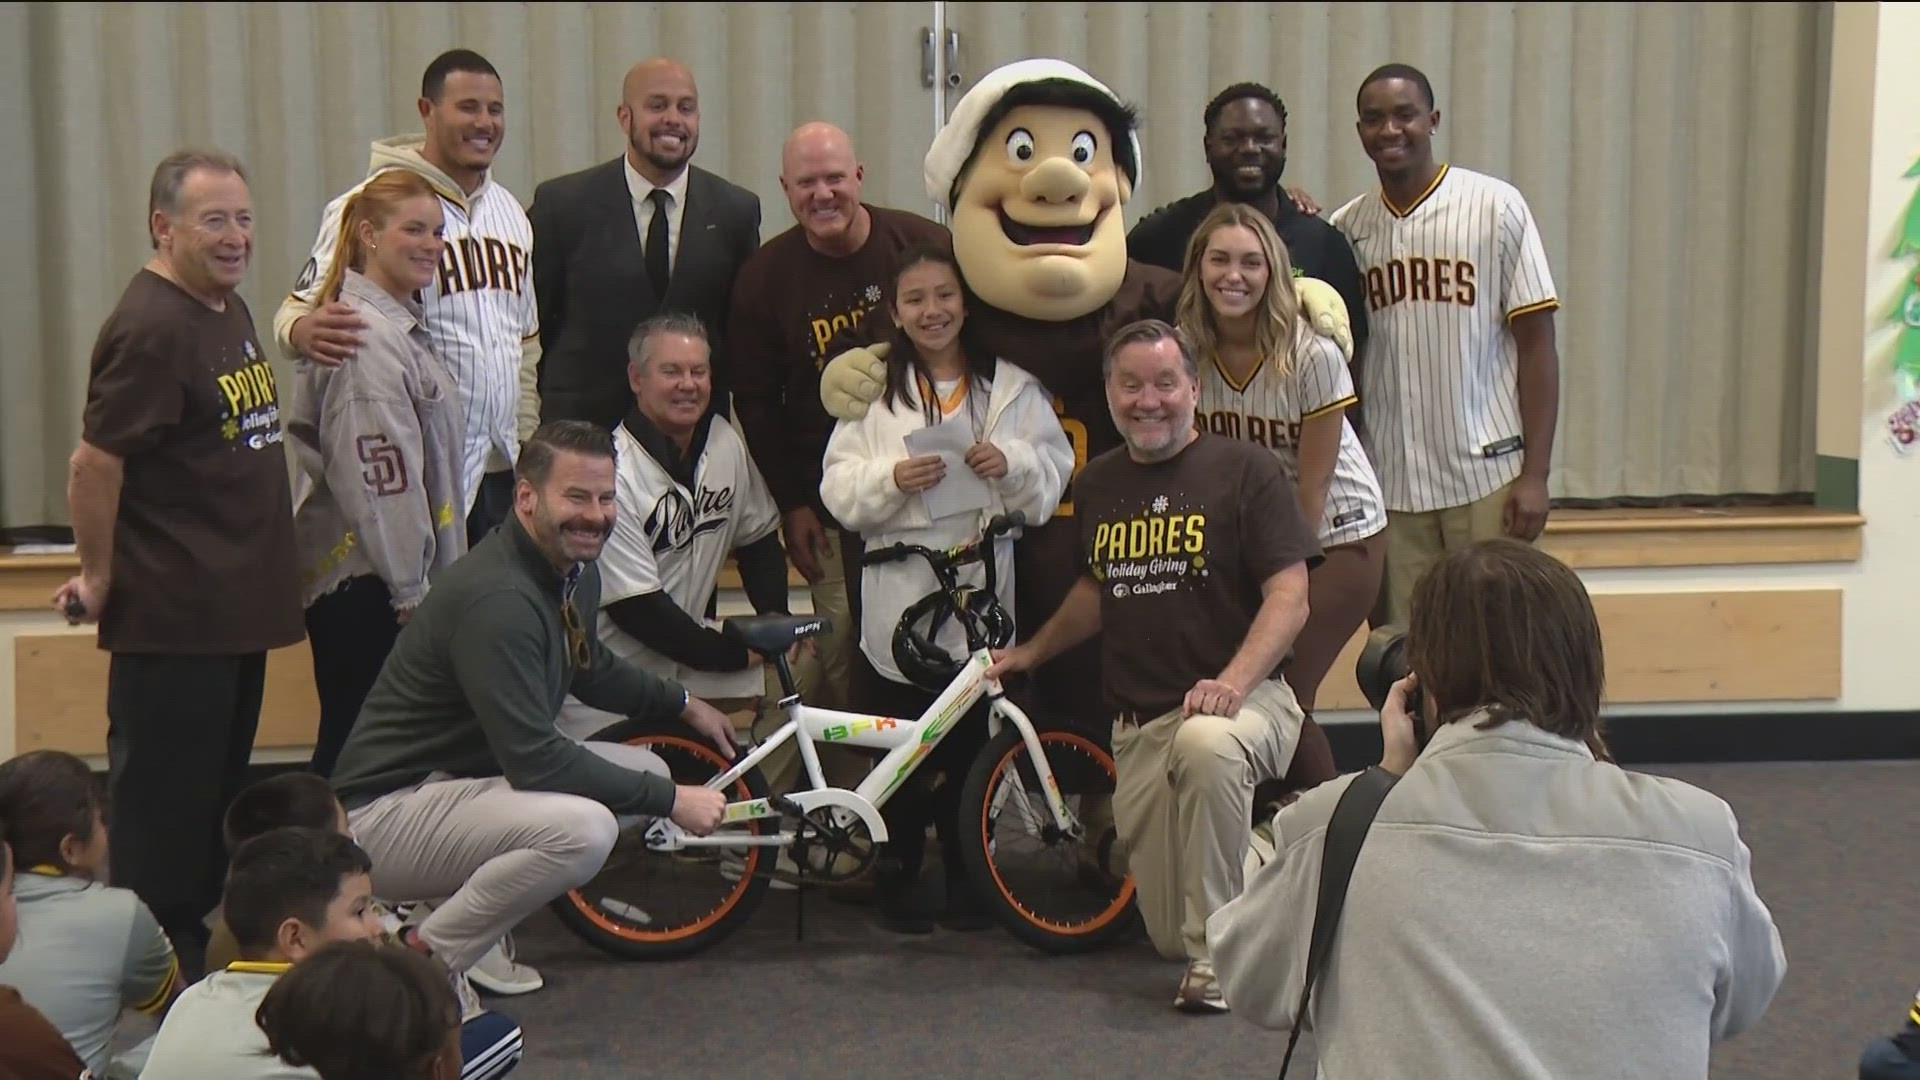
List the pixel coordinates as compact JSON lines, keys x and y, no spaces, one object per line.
{"x":873,"y":294}
{"x":1160,"y":504}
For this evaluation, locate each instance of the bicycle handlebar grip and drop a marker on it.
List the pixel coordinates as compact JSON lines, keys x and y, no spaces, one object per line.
{"x":1006,"y":523}
{"x":891,"y":553}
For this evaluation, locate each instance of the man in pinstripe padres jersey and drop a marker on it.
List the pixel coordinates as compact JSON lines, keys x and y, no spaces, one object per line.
{"x":480,"y":313}
{"x":480,"y":309}
{"x":1460,"y":381}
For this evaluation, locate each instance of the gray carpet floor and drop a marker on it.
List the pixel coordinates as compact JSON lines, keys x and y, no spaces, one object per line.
{"x":1834,"y":857}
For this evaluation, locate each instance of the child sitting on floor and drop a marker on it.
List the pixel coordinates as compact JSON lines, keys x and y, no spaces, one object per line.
{"x":86,"y":950}
{"x":364,"y":1011}
{"x":30,"y":1047}
{"x":489,"y":1039}
{"x":1896,"y":1057}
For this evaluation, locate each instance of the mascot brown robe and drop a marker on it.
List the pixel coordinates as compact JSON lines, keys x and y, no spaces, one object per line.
{"x":1034,"y":167}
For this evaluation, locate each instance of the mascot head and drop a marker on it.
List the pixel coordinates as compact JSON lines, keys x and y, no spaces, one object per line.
{"x":1034,"y":167}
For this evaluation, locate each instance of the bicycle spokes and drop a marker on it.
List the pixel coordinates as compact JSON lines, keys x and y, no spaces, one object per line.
{"x":1061,"y":885}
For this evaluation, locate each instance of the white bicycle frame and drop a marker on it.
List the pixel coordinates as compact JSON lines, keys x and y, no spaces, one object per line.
{"x":907,"y":742}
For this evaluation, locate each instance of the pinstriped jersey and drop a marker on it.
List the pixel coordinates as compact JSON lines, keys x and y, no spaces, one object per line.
{"x":1440,"y":383}
{"x":1270,"y":409}
{"x":479,"y":308}
{"x":673,"y":537}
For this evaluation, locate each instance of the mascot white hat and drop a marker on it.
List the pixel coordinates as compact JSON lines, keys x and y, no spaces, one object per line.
{"x":954,"y":144}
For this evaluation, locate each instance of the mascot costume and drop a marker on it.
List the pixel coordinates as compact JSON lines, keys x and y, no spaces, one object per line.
{"x":1034,"y":169}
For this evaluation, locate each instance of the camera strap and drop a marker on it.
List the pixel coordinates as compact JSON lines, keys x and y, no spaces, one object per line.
{"x":1340,"y":849}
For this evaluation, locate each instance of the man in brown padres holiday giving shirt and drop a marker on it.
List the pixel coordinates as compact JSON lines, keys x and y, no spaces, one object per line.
{"x":182,"y":516}
{"x":1195,"y":577}
{"x":806,"y":286}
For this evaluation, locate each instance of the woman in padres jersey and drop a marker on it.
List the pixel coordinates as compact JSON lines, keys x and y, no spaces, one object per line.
{"x":871,"y":483}
{"x":378,"y":441}
{"x":1267,"y":377}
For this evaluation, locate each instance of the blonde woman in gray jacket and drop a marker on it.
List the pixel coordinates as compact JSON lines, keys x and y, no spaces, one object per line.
{"x":378,"y":445}
{"x":1522,"y":908}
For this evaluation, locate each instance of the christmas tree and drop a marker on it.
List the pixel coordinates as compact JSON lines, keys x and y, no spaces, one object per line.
{"x":1906,"y":352}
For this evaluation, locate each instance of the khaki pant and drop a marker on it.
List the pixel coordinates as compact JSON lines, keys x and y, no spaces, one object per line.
{"x":826,"y":679}
{"x":1183,"y":805}
{"x":1417,"y":541}
{"x":496,"y":854}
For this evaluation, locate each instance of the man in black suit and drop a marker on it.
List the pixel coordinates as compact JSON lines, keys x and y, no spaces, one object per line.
{"x":1246,"y":148}
{"x":638,"y":236}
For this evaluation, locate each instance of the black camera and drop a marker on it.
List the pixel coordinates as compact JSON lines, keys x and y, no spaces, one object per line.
{"x":1383,"y":662}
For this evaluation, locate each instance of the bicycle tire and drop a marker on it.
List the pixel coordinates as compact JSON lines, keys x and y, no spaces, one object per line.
{"x":1008,"y":901}
{"x":691,"y":761}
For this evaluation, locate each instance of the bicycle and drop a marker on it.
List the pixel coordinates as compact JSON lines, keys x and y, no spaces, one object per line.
{"x":1026,"y":774}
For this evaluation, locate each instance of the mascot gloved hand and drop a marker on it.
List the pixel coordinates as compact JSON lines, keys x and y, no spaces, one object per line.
{"x":1326,"y":311}
{"x":854,"y":379}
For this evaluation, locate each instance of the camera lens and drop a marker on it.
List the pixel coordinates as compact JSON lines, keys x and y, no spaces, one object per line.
{"x":1383,"y":662}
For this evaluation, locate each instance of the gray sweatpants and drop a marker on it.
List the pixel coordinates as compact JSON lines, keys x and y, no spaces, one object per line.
{"x":495,"y":854}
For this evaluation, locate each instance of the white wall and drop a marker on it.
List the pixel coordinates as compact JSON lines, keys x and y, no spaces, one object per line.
{"x":1882,"y":668}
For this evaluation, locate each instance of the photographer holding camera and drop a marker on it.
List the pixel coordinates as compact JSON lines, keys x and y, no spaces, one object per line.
{"x":1521,"y":907}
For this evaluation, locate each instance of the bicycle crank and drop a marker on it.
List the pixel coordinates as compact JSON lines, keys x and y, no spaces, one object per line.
{"x":833,"y":845}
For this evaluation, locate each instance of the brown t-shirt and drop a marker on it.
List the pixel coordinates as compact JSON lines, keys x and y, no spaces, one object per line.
{"x":203,"y":554}
{"x":30,"y":1047}
{"x":789,"y":303}
{"x":1180,"y":549}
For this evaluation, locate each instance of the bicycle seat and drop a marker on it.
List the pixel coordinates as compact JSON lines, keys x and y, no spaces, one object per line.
{"x":770,"y":635}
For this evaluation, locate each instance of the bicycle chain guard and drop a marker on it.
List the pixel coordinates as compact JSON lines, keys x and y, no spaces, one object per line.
{"x":835,"y":845}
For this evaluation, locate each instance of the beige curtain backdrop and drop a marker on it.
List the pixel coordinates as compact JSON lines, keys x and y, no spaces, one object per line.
{"x":1666,"y":149}
{"x":93,"y":95}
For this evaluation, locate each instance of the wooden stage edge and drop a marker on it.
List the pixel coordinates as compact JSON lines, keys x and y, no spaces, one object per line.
{"x":1583,"y":539}
{"x":1758,"y":645}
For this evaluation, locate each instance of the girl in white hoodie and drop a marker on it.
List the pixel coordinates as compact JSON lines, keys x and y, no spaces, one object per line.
{"x":936,"y":373}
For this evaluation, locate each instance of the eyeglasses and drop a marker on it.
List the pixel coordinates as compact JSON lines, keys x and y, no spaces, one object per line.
{"x":577,"y":647}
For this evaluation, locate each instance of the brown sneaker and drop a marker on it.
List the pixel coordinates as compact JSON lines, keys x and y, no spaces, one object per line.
{"x":1200,"y":990}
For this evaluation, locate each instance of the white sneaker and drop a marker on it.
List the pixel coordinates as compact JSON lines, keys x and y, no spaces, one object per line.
{"x":498,"y":973}
{"x":1199,"y":990}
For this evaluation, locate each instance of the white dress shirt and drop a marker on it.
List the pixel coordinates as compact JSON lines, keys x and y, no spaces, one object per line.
{"x":641,"y":187}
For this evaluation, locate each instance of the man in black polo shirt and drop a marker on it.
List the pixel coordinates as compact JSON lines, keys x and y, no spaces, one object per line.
{"x":1246,"y":145}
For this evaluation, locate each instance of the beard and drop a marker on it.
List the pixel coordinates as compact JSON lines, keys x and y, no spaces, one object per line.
{"x":553,"y":534}
{"x":663,"y":162}
{"x":1226,"y":179}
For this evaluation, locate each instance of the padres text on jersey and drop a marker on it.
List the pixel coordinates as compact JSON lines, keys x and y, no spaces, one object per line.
{"x":1444,"y":278}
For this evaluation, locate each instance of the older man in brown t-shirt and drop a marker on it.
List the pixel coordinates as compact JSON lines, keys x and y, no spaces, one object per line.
{"x":181,"y":512}
{"x":1195,"y":578}
{"x":794,"y":297}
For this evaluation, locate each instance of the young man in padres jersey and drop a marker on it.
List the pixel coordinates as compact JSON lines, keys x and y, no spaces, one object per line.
{"x":480,"y":312}
{"x":480,"y":308}
{"x":1460,"y":382}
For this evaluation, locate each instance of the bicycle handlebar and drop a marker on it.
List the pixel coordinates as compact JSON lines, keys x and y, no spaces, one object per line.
{"x":945,"y":563}
{"x":999,"y":526}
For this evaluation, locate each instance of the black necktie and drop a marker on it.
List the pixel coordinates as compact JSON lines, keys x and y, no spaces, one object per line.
{"x":657,"y":241}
